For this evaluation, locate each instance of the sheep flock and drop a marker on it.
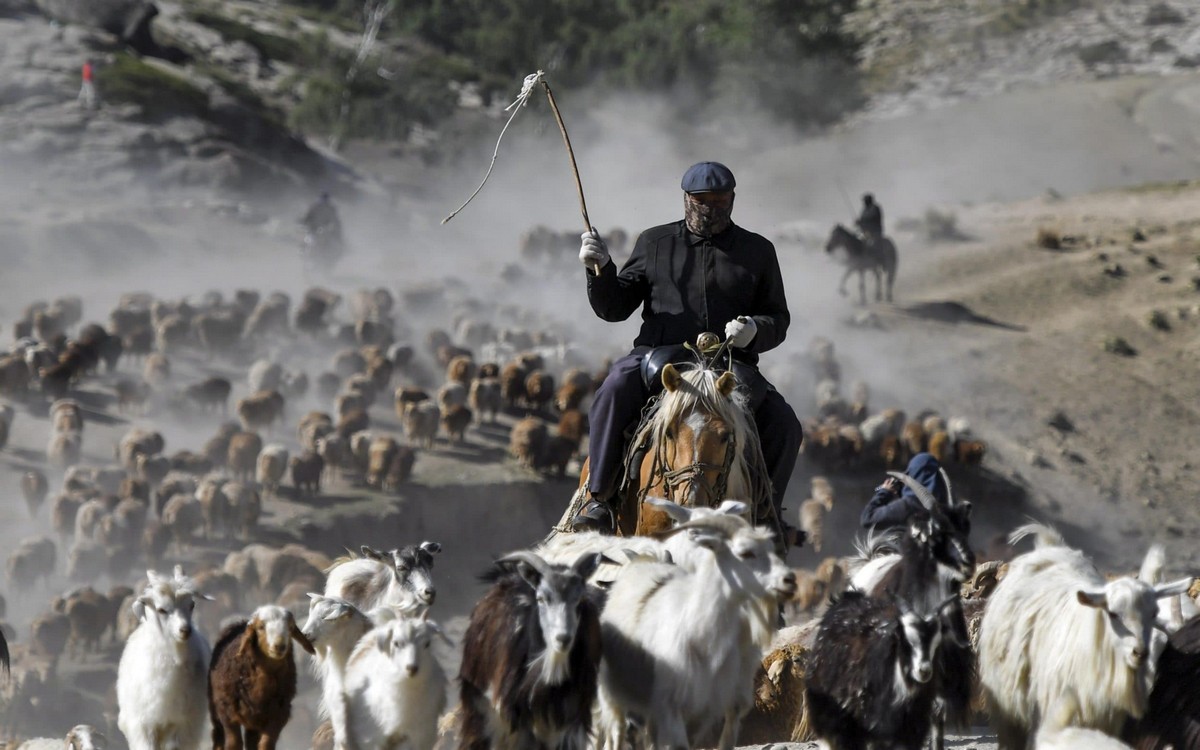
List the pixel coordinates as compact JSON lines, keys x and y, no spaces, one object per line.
{"x":154,"y":598}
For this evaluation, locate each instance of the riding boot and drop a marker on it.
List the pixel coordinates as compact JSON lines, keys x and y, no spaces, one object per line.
{"x":596,"y":515}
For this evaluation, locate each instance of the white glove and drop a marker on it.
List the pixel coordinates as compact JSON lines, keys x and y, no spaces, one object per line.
{"x":593,"y":253}
{"x":740,"y":331}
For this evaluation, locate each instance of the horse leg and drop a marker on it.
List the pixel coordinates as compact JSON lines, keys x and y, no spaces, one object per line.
{"x":845,"y":278}
{"x":862,"y":287}
{"x":878,"y":285}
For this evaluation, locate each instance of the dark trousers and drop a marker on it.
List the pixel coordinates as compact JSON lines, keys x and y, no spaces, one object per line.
{"x":618,"y":403}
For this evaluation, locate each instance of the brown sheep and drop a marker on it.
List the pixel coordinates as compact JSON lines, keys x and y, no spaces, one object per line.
{"x":569,"y":396}
{"x":512,"y":384}
{"x":484,"y":399}
{"x":455,"y":421}
{"x":245,"y":508}
{"x":539,"y":389}
{"x":364,"y":387}
{"x":49,"y":634}
{"x":573,"y":426}
{"x":349,"y":362}
{"x":527,"y":440}
{"x":448,"y":353}
{"x":452,"y":393}
{"x":260,"y":410}
{"x":811,"y":593}
{"x":421,"y":423}
{"x":914,"y":438}
{"x":969,"y":452}
{"x":155,"y":539}
{"x":32,"y":561}
{"x":488,"y":370}
{"x":63,"y":510}
{"x":812,"y":519}
{"x":779,"y":713}
{"x":400,"y":469}
{"x":34,"y":487}
{"x":252,"y":679}
{"x":314,"y":426}
{"x":555,"y":454}
{"x":216,"y":448}
{"x":306,"y":472}
{"x":383,"y":449}
{"x":212,"y":393}
{"x":182,"y":516}
{"x":380,"y":372}
{"x":64,"y":449}
{"x":461,"y":369}
{"x":939,"y":446}
{"x":214,"y":507}
{"x":131,"y":396}
{"x":89,"y":614}
{"x":406,"y":395}
{"x":352,"y":422}
{"x":242,"y":459}
{"x":833,"y":572}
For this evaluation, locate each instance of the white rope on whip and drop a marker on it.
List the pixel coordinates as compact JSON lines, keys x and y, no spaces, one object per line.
{"x":531,"y":81}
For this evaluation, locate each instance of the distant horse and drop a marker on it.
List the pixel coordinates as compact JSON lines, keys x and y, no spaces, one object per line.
{"x":696,"y":446}
{"x":862,"y":256}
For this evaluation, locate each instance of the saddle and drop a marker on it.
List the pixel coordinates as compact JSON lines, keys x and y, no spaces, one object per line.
{"x":749,"y":379}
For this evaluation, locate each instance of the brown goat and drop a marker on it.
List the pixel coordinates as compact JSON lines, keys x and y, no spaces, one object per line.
{"x":252,"y":680}
{"x":261,"y":409}
{"x":454,"y":421}
{"x":780,"y":713}
{"x":527,"y":440}
{"x":306,"y":472}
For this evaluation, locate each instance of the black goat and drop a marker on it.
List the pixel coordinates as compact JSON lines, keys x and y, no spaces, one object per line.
{"x":927,"y":566}
{"x":1173,"y":718}
{"x":871,"y":673}
{"x":531,"y":656}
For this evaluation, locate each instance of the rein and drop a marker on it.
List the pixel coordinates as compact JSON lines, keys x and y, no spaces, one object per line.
{"x":692,"y":472}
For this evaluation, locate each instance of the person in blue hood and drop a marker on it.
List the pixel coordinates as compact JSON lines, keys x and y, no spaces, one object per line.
{"x":893,"y":503}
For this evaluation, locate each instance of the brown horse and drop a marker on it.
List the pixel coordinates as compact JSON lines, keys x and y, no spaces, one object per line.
{"x":861,"y":256}
{"x":696,"y":446}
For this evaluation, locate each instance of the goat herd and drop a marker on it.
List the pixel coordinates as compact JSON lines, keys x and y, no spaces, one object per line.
{"x":582,"y":640}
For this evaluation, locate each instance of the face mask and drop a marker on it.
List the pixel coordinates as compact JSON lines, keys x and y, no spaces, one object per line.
{"x":705,"y":220}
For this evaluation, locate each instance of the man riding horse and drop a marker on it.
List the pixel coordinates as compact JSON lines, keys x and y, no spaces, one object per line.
{"x":870,"y":219}
{"x":690,"y":276}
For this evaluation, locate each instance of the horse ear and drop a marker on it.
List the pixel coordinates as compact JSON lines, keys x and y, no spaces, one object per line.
{"x":726,"y":383}
{"x":671,"y":378}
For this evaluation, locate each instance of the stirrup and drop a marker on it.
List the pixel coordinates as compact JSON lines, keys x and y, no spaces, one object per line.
{"x":595,"y":516}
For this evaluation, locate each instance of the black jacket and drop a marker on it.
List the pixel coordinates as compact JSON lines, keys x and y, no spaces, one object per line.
{"x":686,"y":285}
{"x":871,"y":220}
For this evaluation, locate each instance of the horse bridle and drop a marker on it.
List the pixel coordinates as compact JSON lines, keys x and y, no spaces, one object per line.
{"x":695,"y":472}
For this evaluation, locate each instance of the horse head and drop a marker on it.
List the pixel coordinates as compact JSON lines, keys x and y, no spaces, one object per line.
{"x":697,"y":435}
{"x":839,"y":237}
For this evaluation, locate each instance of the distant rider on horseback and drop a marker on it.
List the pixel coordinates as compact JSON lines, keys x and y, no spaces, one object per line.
{"x":322,"y":217}
{"x":701,"y":274}
{"x":870,"y":219}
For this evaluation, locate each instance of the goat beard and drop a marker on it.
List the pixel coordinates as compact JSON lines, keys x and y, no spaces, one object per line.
{"x":706,"y":221}
{"x":553,"y":666}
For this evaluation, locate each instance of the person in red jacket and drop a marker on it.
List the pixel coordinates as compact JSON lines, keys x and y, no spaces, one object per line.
{"x":87,"y":92}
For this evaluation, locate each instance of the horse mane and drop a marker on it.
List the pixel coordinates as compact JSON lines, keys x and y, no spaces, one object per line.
{"x":698,"y":391}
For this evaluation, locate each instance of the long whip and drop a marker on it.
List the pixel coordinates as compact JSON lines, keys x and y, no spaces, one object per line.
{"x":522,"y":100}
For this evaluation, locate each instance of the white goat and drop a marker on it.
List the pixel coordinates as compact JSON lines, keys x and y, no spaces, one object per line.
{"x":333,"y":627}
{"x":1153,"y":571}
{"x":400,"y":578}
{"x":163,"y":675}
{"x":1054,"y":630}
{"x":395,"y":689}
{"x":81,"y":737}
{"x":675,"y":641}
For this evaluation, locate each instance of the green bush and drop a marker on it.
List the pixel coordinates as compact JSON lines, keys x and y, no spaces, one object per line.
{"x":270,"y":46}
{"x":160,"y":94}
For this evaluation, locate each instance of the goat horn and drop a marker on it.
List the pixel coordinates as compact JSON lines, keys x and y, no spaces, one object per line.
{"x":525,"y":556}
{"x":949,"y":488}
{"x":921,"y":491}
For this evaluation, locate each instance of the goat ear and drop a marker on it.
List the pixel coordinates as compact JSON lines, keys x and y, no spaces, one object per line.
{"x":369,"y":553}
{"x":671,"y":379}
{"x":733,"y":508}
{"x":299,"y":636}
{"x":726,"y":383}
{"x":1182,"y":586}
{"x":532,"y":575}
{"x":1098,"y":599}
{"x":383,"y":640}
{"x":432,"y":548}
{"x":249,"y":637}
{"x":707,"y":539}
{"x":678,"y":513}
{"x":587,"y":564}
{"x":139,"y":608}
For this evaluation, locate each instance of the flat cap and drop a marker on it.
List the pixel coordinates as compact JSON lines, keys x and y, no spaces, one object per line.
{"x":708,"y":177}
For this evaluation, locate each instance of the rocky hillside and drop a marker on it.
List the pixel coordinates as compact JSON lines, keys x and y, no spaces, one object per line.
{"x":923,"y":53}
